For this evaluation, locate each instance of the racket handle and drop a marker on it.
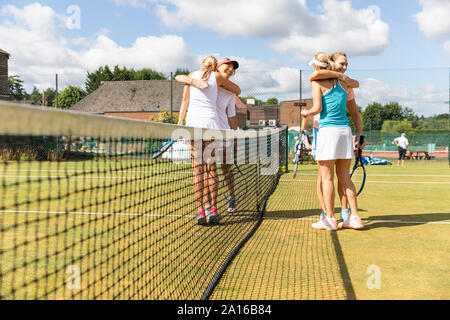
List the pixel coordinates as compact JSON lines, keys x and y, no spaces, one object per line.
{"x":361,"y":140}
{"x":303,"y":124}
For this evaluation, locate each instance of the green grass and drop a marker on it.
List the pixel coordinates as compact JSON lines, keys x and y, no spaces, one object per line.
{"x":129,"y":226}
{"x":138,"y":240}
{"x":406,"y":211}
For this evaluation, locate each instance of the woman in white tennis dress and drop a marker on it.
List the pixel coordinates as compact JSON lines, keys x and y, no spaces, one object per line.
{"x":199,"y":102}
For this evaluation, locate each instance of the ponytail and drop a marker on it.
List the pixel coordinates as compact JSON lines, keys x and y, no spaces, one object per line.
{"x":209,"y":64}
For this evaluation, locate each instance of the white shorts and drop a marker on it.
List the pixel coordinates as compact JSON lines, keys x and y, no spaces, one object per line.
{"x":334,"y":143}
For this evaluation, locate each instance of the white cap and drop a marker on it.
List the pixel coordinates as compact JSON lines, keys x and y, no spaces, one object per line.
{"x":318,"y":63}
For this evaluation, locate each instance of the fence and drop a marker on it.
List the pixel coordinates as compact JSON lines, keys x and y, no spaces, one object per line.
{"x":415,"y":95}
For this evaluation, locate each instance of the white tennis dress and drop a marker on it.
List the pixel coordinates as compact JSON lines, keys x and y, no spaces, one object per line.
{"x":334,"y":140}
{"x":202,"y":111}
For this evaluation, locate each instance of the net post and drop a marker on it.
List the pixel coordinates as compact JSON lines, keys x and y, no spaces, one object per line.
{"x":286,"y":149}
{"x":258,"y":171}
{"x":171,"y":97}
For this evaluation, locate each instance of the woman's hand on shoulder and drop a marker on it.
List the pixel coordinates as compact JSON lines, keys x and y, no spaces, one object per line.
{"x":351,"y":83}
{"x":200,"y":84}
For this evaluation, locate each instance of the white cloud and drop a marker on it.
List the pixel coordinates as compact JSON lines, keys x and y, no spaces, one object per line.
{"x":38,"y":50}
{"x":251,"y":18}
{"x":424,"y":99}
{"x":160,"y":53}
{"x":288,"y":24}
{"x":434,"y":20}
{"x":133,"y":3}
{"x":340,"y":28}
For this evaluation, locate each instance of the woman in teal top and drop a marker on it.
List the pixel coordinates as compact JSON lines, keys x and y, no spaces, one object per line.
{"x":334,"y":142}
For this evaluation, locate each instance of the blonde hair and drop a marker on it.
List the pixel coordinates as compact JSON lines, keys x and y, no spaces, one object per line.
{"x":335,"y":55}
{"x":209,"y":64}
{"x":325,"y":58}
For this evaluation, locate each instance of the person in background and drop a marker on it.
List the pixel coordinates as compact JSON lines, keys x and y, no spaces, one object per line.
{"x":402,"y":143}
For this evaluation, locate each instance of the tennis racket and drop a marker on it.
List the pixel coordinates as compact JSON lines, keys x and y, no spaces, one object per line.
{"x":298,"y":153}
{"x":358,"y":174}
{"x":166,"y":146}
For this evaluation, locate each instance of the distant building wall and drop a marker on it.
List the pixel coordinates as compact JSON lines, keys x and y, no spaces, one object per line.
{"x":4,"y":87}
{"x":290,"y":112}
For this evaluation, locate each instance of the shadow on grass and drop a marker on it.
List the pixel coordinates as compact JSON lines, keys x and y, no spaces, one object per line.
{"x":314,"y":213}
{"x":404,"y":220}
{"x":299,"y":214}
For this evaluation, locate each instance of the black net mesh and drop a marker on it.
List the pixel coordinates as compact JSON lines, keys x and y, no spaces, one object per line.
{"x":87,"y":213}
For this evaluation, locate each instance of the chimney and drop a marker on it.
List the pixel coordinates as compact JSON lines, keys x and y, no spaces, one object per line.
{"x":4,"y":86}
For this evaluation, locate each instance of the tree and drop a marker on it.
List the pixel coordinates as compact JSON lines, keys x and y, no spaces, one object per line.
{"x":372,"y":117}
{"x":271,"y":101}
{"x":443,"y":116}
{"x":35,"y":96}
{"x":69,"y":96}
{"x":123,"y":74}
{"x":148,"y":74}
{"x":181,"y":71}
{"x":392,"y":111}
{"x":50,"y":96}
{"x":16,"y":89}
{"x":94,"y":80}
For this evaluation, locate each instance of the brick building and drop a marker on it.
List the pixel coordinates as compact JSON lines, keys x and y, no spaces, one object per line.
{"x":265,"y":113}
{"x":286,"y":113}
{"x":290,"y":111}
{"x":4,"y":87}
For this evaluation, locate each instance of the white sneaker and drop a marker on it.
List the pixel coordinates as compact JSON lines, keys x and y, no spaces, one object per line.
{"x":352,"y":222}
{"x":326,"y":224}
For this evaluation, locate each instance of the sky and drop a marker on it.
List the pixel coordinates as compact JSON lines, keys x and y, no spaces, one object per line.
{"x":399,"y":50}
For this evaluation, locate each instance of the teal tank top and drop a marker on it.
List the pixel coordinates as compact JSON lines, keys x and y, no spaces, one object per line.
{"x":334,"y":108}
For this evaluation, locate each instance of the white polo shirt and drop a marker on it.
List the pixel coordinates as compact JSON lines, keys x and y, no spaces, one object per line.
{"x":226,"y":107}
{"x":402,"y":142}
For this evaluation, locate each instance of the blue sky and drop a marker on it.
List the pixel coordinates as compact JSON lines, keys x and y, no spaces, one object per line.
{"x":271,"y":39}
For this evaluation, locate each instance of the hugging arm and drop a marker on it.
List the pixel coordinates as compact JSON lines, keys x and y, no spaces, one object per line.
{"x":227,"y":84}
{"x":328,"y":74}
{"x":188,"y":80}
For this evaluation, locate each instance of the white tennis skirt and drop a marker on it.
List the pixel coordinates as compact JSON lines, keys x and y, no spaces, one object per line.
{"x":334,"y":143}
{"x":205,"y":123}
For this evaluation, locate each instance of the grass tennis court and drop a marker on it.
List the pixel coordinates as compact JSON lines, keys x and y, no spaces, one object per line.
{"x":402,"y":252}
{"x":406,"y":212}
{"x":128,"y":227}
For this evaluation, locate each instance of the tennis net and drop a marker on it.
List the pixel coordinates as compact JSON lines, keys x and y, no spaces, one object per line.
{"x":86,"y":212}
